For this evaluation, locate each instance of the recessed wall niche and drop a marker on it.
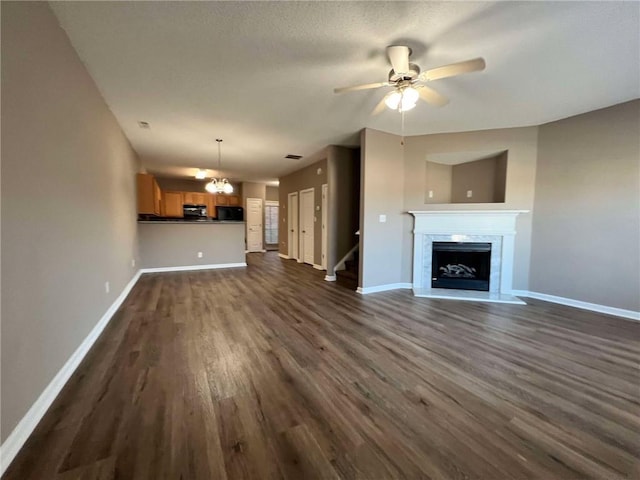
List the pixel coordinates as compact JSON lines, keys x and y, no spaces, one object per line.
{"x":466,"y":177}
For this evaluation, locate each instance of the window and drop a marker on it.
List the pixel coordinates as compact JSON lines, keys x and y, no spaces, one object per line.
{"x":271,"y":223}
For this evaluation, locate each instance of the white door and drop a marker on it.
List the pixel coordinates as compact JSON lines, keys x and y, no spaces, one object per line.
{"x":254,"y":224}
{"x":325,"y":203}
{"x":306,"y":225}
{"x":292,"y":221}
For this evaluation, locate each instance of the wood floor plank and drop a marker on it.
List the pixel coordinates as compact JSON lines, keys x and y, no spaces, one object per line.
{"x":270,"y":372}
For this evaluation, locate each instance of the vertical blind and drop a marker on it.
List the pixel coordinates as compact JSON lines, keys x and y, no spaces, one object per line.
{"x":271,"y":224}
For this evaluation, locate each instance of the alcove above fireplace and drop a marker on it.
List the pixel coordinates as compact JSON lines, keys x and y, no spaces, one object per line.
{"x":464,"y":254}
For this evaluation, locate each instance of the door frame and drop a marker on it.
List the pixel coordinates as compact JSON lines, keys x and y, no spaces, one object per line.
{"x":292,"y":237}
{"x":261,"y":225}
{"x":311,"y":190}
{"x":325,"y":232}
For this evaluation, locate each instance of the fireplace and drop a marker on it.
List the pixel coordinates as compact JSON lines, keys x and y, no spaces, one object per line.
{"x":490,"y":234}
{"x":461,"y":265}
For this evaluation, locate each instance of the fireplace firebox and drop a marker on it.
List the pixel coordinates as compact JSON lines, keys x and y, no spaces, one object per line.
{"x":461,"y":265}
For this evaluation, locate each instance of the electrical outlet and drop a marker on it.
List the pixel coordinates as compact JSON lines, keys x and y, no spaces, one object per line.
{"x":200,"y":254}
{"x":382,"y":218}
{"x":469,"y":193}
{"x":430,"y":193}
{"x":107,"y":287}
{"x":133,"y":262}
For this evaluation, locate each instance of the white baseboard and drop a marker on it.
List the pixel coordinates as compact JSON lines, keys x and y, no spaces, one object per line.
{"x":299,"y":260}
{"x":318,"y":267}
{"x":594,"y":307}
{"x":14,"y":442}
{"x":330,"y":278}
{"x":192,"y":267}
{"x":282,"y":255}
{"x":383,"y":288}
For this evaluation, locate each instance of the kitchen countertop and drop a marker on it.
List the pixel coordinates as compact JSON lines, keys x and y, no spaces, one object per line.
{"x":193,"y":222}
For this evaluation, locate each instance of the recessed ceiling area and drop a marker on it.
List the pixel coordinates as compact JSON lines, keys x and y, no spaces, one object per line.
{"x":261,"y":74}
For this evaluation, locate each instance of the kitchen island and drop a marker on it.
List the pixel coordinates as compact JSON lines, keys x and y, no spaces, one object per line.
{"x":190,"y":245}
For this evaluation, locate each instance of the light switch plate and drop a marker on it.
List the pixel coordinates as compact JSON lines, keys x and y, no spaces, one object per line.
{"x":382,"y":218}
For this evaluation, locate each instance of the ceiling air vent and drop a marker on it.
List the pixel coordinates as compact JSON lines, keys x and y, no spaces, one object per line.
{"x":294,"y":157}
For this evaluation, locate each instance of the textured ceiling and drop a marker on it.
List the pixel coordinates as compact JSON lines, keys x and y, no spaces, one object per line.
{"x":261,"y":75}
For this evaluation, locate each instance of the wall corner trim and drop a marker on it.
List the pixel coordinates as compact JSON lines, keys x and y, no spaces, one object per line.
{"x":594,"y":307}
{"x":383,"y":288}
{"x":282,"y":255}
{"x":318,"y":267}
{"x":330,"y":278}
{"x":16,"y":439}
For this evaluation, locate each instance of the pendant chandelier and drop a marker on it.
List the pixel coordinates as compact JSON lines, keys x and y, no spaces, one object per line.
{"x":221,"y":185}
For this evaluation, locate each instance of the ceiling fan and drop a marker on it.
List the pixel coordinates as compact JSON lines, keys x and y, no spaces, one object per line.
{"x":408,"y":83}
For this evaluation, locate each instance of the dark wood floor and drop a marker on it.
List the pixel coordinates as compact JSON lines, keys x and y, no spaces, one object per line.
{"x":270,"y":372}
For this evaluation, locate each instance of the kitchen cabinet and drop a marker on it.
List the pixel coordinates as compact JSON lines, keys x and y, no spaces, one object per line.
{"x":211,"y":206}
{"x":222,"y":200}
{"x":234,"y":200}
{"x":149,"y":194}
{"x":172,"y":203}
{"x":195,"y":198}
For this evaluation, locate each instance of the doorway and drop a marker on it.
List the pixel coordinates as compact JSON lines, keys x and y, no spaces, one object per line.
{"x":325,"y":206}
{"x":254,"y":225}
{"x":292,"y":221}
{"x":306,"y":223}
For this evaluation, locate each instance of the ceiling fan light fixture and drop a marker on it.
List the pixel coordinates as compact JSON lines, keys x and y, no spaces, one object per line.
{"x":402,"y":99}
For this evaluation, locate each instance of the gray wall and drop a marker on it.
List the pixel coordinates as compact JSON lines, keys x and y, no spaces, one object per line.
{"x":382,"y":187}
{"x":586,"y":226}
{"x":300,"y":180}
{"x":64,"y":159}
{"x":177,"y":245}
{"x":521,"y":170}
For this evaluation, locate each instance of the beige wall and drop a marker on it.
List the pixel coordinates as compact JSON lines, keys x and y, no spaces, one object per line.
{"x":586,"y":225}
{"x":438,"y":181}
{"x":521,"y":170}
{"x":187,"y":185}
{"x":68,"y":205}
{"x":382,"y":186}
{"x":177,"y":245}
{"x":302,"y":179}
{"x":479,"y":177}
{"x":272,"y":194}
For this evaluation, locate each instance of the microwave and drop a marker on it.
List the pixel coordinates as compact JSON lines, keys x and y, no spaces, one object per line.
{"x":233,"y":214}
{"x":192,"y":211}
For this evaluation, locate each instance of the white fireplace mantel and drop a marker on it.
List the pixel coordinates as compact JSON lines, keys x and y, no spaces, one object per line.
{"x":497,"y":227}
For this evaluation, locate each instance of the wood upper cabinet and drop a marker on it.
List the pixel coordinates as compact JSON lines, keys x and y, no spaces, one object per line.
{"x":149,"y":194}
{"x":234,"y":200}
{"x":211,"y":206}
{"x":172,"y":203}
{"x":222,"y":200}
{"x":196,"y":198}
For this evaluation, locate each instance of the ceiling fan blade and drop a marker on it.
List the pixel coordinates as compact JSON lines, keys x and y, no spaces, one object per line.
{"x":355,"y":88}
{"x":380,"y":106}
{"x":429,"y":95}
{"x":399,"y":58}
{"x":475,"y":65}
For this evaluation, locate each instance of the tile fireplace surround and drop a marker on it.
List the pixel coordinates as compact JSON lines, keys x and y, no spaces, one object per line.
{"x":497,"y":227}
